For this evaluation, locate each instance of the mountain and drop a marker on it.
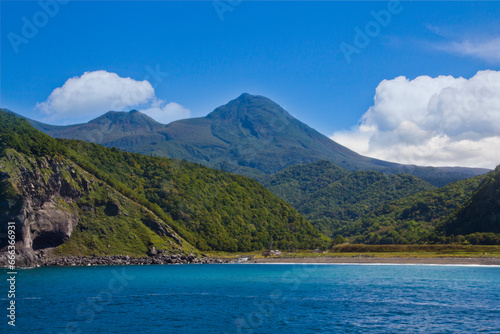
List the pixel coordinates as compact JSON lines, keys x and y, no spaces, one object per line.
{"x":332,"y":198}
{"x":481,"y":212}
{"x":250,"y":135}
{"x":86,"y":199}
{"x":120,"y":128}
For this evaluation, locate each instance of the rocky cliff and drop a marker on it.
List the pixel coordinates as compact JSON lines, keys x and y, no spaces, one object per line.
{"x":51,"y":199}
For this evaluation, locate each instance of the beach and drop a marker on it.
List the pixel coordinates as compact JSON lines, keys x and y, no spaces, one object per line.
{"x":493,"y":261}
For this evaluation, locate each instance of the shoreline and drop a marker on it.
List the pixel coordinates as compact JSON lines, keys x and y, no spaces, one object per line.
{"x":166,"y":259}
{"x":486,"y":261}
{"x":110,"y":260}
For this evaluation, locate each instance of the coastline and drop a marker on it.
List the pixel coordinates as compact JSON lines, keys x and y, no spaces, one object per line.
{"x":484,"y":261}
{"x":165,"y":259}
{"x":111,"y":260}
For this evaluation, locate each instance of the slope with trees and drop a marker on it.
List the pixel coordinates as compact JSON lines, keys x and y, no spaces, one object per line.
{"x":210,"y":209}
{"x":411,"y":219}
{"x":333,"y":198}
{"x":478,"y":219}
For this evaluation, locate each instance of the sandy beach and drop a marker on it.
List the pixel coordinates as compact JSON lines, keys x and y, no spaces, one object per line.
{"x":385,"y":260}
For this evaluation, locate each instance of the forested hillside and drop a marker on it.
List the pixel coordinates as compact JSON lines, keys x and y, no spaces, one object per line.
{"x":332,"y":198}
{"x":411,"y":219}
{"x":373,"y":208}
{"x":480,"y":213}
{"x":210,"y":209}
{"x":180,"y":205}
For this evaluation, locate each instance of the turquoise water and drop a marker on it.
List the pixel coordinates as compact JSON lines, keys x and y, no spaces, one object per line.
{"x":240,"y":298}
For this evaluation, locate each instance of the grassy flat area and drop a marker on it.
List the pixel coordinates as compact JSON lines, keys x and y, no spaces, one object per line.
{"x":416,"y":251}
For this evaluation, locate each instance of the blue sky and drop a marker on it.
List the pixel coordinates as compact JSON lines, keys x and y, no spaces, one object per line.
{"x":288,"y":51}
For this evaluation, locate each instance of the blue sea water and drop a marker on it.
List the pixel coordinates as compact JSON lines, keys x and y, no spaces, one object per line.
{"x":256,"y":298}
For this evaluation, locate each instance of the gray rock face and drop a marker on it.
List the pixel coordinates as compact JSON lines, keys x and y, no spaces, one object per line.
{"x":42,"y":221}
{"x":49,"y":227}
{"x":152,"y":251}
{"x":23,"y":258}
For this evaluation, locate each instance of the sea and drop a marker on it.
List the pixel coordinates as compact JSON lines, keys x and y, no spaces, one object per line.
{"x":254,"y":298}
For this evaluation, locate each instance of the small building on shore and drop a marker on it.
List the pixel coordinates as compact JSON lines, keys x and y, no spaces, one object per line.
{"x":271,"y":252}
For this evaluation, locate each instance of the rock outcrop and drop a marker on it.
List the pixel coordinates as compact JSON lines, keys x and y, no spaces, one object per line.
{"x":162,"y":258}
{"x":47,"y":198}
{"x":42,"y":209}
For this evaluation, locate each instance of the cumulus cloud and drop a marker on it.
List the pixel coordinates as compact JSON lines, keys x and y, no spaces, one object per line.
{"x":483,"y":49}
{"x":166,"y":112}
{"x":443,"y":121}
{"x":82,"y":98}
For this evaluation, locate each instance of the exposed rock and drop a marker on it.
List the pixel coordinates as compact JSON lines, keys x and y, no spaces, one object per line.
{"x":23,"y":258}
{"x":46,"y":208}
{"x":28,"y":258}
{"x":152,"y":251}
{"x":40,"y":222}
{"x":161,"y":229}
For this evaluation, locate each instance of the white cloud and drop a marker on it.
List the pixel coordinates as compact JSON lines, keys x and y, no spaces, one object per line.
{"x":94,"y":93}
{"x":443,"y":121}
{"x":166,"y":113}
{"x":483,"y":49}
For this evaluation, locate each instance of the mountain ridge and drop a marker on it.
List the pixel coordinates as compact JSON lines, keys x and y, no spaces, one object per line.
{"x":81,"y":197}
{"x":251,"y":134}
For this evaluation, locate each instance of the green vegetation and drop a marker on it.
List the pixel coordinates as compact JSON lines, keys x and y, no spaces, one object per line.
{"x":108,"y":223}
{"x":421,"y":250}
{"x":114,"y":225}
{"x":372,"y":208}
{"x":412,"y":219}
{"x":138,"y":201}
{"x":332,"y":198}
{"x":295,"y":183}
{"x":20,"y":136}
{"x":210,"y":209}
{"x":481,"y":212}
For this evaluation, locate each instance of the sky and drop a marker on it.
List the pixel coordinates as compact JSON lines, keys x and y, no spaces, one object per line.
{"x":410,"y":82}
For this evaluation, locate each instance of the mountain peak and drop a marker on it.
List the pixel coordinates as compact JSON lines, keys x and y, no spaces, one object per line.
{"x":134,"y":117}
{"x":249,"y":106}
{"x":251,"y":134}
{"x":244,"y":95}
{"x":249,"y":98}
{"x":110,"y":127}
